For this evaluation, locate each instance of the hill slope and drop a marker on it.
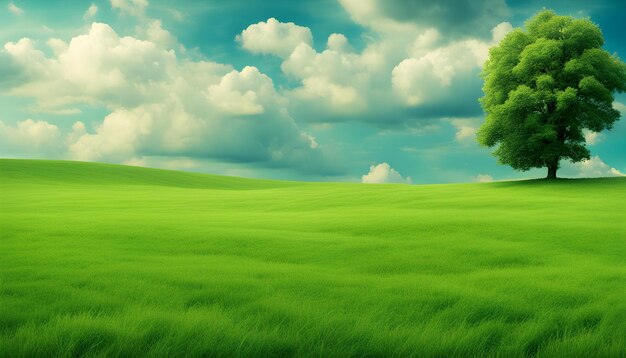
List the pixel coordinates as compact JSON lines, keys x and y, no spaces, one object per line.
{"x":103,"y":259}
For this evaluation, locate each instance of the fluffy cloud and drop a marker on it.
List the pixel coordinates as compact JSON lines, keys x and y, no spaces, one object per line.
{"x":384,"y":174}
{"x":30,"y":137}
{"x":336,"y":78}
{"x":429,"y":74}
{"x":14,"y":9}
{"x":97,"y":68}
{"x":592,"y":168}
{"x":274,"y":37}
{"x":415,"y":69}
{"x":161,"y":104}
{"x":243,"y":93}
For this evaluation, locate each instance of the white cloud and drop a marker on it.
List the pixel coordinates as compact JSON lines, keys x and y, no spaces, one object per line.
{"x":500,"y":31}
{"x":338,"y":42}
{"x":31,"y":137}
{"x":341,"y":83}
{"x":161,"y":103}
{"x":384,"y":174}
{"x":465,"y":128}
{"x":91,"y":11}
{"x":14,"y":9}
{"x":335,"y":78}
{"x":430,"y":72}
{"x":620,"y":107}
{"x":274,"y":37}
{"x":98,"y":67}
{"x":133,"y":7}
{"x":483,"y":178}
{"x":592,"y":138}
{"x":153,"y":31}
{"x":592,"y":168}
{"x":404,"y":64}
{"x":243,"y":93}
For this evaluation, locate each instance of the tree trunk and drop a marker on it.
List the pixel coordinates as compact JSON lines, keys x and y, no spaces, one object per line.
{"x":552,"y":168}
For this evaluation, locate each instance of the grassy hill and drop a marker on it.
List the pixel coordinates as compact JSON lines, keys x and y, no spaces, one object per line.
{"x":110,"y":260}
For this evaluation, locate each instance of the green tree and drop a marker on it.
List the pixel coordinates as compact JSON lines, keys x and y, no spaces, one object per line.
{"x":543,"y":85}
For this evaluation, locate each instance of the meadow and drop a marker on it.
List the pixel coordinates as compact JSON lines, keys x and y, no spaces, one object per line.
{"x":106,"y":260}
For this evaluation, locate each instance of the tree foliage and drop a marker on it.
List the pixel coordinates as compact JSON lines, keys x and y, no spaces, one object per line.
{"x":543,"y":85}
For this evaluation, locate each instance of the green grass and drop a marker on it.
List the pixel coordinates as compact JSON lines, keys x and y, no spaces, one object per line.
{"x":109,"y":260}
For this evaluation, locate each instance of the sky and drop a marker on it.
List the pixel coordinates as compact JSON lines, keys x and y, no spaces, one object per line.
{"x":372,"y":91}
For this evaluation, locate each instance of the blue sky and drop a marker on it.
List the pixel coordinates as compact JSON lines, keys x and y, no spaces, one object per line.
{"x":329,"y":90}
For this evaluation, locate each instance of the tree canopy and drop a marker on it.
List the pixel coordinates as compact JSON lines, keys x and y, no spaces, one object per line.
{"x":544,"y":85}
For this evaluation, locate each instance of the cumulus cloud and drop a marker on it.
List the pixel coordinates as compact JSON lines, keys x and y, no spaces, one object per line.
{"x":161,"y":104}
{"x":31,"y":137}
{"x":91,"y":11}
{"x":274,"y":37}
{"x":338,"y":42}
{"x":592,"y":168}
{"x":406,"y":65}
{"x":429,"y":73}
{"x":246,"y":92}
{"x":14,"y":9}
{"x":98,"y":67}
{"x":333,"y":77}
{"x":384,"y":174}
{"x":154,"y":32}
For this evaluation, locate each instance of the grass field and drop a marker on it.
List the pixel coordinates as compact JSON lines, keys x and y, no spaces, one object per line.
{"x":110,"y":260}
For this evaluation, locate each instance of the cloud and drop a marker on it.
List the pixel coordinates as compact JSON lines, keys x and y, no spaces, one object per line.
{"x":30,"y":137}
{"x":430,"y":72}
{"x":592,"y":138}
{"x":274,"y":37}
{"x":457,"y":18}
{"x":384,"y":174}
{"x":97,"y":68}
{"x":405,"y":75}
{"x":132,"y":7}
{"x":162,"y":104}
{"x":592,"y":168}
{"x":91,"y":11}
{"x":335,"y":78}
{"x":338,"y":42}
{"x":483,"y":178}
{"x":243,"y":93}
{"x":381,"y":85}
{"x":500,"y":31}
{"x":465,"y":128}
{"x":154,"y":32}
{"x":14,"y":9}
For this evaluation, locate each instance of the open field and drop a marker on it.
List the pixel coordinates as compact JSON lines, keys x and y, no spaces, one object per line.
{"x":110,"y":260}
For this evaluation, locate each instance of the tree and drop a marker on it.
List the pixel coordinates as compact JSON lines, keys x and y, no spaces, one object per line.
{"x":543,"y":85}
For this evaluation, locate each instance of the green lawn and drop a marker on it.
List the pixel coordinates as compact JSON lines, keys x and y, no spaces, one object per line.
{"x":110,"y":260}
